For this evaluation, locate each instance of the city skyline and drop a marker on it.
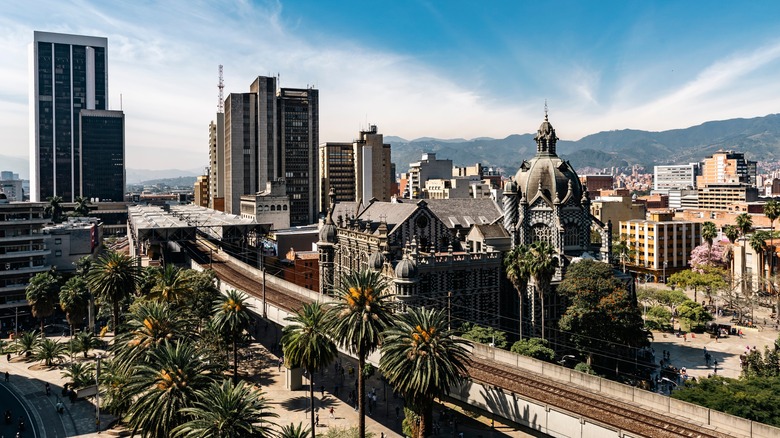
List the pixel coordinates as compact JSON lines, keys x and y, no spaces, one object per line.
{"x":412,"y":68}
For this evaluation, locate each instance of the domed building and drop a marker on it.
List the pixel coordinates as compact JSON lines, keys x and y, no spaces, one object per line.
{"x":546,"y":202}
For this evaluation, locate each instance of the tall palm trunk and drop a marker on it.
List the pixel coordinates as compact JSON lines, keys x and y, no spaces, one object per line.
{"x":361,"y":394}
{"x":115,"y":311}
{"x":426,"y":416}
{"x":311,"y":400}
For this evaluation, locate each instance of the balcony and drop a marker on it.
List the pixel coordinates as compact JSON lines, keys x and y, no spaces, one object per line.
{"x":26,"y":270}
{"x":24,"y":254}
{"x":23,"y":238}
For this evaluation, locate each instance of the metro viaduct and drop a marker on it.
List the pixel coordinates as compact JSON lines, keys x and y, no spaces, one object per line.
{"x":549,"y":398}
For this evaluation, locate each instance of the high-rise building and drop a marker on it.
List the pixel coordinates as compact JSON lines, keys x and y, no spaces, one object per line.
{"x":271,"y":135}
{"x":357,"y":171}
{"x":727,"y":167}
{"x":427,"y":168}
{"x":217,"y":163}
{"x":22,"y":247}
{"x":69,"y":73}
{"x":11,"y":186}
{"x":102,"y":155}
{"x":678,"y":176}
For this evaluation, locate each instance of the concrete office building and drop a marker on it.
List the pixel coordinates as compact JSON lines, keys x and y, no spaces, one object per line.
{"x":102,"y":155}
{"x":201,"y":191}
{"x":727,"y":167}
{"x":11,"y":186}
{"x":216,"y":198}
{"x":680,"y":176}
{"x":271,"y":135}
{"x":23,"y":252}
{"x":69,"y":73}
{"x":427,"y":168}
{"x":357,"y":171}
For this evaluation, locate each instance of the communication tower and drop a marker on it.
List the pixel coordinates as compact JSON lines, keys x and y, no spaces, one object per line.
{"x":221,"y":86}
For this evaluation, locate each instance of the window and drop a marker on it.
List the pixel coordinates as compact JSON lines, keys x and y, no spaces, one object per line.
{"x":58,"y":241}
{"x":58,"y":253}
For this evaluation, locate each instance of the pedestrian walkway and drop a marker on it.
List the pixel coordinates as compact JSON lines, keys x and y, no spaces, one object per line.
{"x":27,"y":380}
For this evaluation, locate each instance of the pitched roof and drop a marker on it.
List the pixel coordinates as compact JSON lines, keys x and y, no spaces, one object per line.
{"x":392,"y":213}
{"x":465,"y":212}
{"x":491,"y":231}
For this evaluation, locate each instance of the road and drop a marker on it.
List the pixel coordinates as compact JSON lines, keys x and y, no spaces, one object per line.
{"x":10,"y":401}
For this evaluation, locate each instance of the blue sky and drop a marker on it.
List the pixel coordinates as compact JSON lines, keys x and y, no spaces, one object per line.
{"x":444,"y":69}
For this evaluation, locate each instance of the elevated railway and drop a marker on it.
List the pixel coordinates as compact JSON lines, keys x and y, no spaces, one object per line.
{"x":624,"y":418}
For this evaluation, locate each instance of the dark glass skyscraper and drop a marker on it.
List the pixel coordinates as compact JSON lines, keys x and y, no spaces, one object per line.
{"x":102,"y":155}
{"x":69,"y":73}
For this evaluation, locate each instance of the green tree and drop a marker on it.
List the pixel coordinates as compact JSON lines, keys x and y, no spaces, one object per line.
{"x":744,"y":223}
{"x":199,"y":302}
{"x":54,"y":209}
{"x":658,"y":318}
{"x":226,"y":410}
{"x":603,"y":316}
{"x":84,"y":341}
{"x":670,"y":298}
{"x":165,"y":386}
{"x":542,"y":266}
{"x":149,"y":325}
{"x":25,"y":343}
{"x":114,"y":379}
{"x":357,"y":320}
{"x":306,"y":344}
{"x":74,"y":301}
{"x":755,"y":398}
{"x":79,"y":374}
{"x":171,"y":285}
{"x":772,"y":212}
{"x":709,"y":232}
{"x":82,"y":206}
{"x":294,"y":431}
{"x":483,"y":335}
{"x":535,"y":347}
{"x":694,"y":315}
{"x":42,"y":293}
{"x":516,"y":265}
{"x":756,"y":364}
{"x":731,"y":232}
{"x":757,"y":242}
{"x":48,"y":351}
{"x":113,"y":277}
{"x":232,"y":317}
{"x":422,"y":360}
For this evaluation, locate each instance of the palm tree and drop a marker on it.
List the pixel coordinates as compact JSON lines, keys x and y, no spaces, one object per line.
{"x":171,"y":285}
{"x":232,"y":317}
{"x":48,"y":351}
{"x":42,"y":294}
{"x":516,"y":265}
{"x":166,"y":385}
{"x":772,"y":212}
{"x":306,"y":344}
{"x":113,"y":277}
{"x":227,"y":411}
{"x":542,"y":267}
{"x":114,"y":378}
{"x":357,"y":320}
{"x":293,"y":431}
{"x":80,"y":374}
{"x":54,"y":209}
{"x":84,"y":341}
{"x":74,"y":299}
{"x":25,"y":343}
{"x":744,"y":223}
{"x":82,"y":206}
{"x":709,"y":232}
{"x":149,"y":325}
{"x":422,"y":360}
{"x":731,"y":232}
{"x":758,"y":243}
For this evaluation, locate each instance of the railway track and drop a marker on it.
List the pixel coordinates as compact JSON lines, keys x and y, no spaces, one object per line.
{"x":579,"y":401}
{"x":582,"y":402}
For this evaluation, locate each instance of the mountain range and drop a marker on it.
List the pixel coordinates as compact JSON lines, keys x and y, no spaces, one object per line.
{"x":758,"y":138}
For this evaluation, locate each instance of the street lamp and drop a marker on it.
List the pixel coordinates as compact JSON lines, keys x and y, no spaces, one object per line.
{"x":97,"y":394}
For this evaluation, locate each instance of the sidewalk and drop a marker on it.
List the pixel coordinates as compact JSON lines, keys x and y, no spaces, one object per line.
{"x":28,"y":380}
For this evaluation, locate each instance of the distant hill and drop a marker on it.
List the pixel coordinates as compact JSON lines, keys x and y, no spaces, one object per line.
{"x":179,"y":181}
{"x":138,"y":176}
{"x":758,"y":137}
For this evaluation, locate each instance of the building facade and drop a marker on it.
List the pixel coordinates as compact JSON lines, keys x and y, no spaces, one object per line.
{"x":11,"y":186}
{"x":69,"y":73}
{"x":102,"y":155}
{"x":679,"y":176}
{"x":201,"y":191}
{"x":727,"y":167}
{"x":427,"y":168}
{"x":216,"y":197}
{"x":270,"y":207}
{"x":23,"y":251}
{"x":337,"y":172}
{"x":271,"y":135}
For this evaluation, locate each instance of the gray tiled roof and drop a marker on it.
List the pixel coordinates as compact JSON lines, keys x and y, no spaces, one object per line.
{"x":465,"y":212}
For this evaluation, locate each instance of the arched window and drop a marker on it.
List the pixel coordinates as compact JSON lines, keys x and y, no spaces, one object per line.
{"x":571,"y":235}
{"x":543,"y":233}
{"x":284,"y":207}
{"x":279,"y":207}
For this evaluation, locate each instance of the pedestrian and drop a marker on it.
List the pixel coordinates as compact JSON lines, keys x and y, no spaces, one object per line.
{"x":8,"y":357}
{"x":7,"y":376}
{"x":685,"y":337}
{"x":281,"y":362}
{"x":331,"y":412}
{"x":48,"y":389}
{"x":317,"y":420}
{"x":322,"y":390}
{"x":381,"y":435}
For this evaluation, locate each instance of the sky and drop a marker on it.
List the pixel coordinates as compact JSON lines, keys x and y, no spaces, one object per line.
{"x":446,"y":69}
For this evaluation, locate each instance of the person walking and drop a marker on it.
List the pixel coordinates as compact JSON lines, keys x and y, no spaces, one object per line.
{"x":331,"y":411}
{"x":7,"y":376}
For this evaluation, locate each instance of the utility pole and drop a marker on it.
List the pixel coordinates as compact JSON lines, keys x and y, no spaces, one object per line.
{"x":97,"y":394}
{"x":449,"y":310}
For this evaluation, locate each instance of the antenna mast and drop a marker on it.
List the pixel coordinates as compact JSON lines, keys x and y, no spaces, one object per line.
{"x":221,"y":86}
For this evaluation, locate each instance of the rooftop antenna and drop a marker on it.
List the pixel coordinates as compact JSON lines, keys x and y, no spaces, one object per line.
{"x":120,"y":102}
{"x":545,"y":109}
{"x":221,"y":86}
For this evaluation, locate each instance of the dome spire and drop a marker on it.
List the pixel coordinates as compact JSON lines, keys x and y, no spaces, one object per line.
{"x":545,"y":136}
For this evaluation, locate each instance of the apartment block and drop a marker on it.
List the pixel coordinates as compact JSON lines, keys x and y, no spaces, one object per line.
{"x":679,"y":176}
{"x":23,"y":250}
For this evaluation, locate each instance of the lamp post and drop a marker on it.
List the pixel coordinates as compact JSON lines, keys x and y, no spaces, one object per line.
{"x":97,"y":394}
